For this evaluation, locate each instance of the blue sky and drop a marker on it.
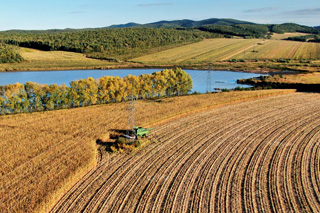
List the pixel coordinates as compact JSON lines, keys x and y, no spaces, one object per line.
{"x":60,"y":14}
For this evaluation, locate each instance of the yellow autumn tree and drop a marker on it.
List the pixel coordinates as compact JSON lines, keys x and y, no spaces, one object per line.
{"x":133,"y":86}
{"x":105,"y":87}
{"x":15,"y":98}
{"x":159,"y":82}
{"x":35,"y":95}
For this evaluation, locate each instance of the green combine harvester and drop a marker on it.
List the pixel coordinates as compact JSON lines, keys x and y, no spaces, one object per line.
{"x":138,"y":132}
{"x":141,"y":132}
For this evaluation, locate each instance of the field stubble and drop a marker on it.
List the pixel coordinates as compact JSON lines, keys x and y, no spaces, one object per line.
{"x":259,"y":156}
{"x":240,"y":54}
{"x":42,"y":154}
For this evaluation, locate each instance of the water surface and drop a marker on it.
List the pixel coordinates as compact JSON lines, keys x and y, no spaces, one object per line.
{"x":219,"y":79}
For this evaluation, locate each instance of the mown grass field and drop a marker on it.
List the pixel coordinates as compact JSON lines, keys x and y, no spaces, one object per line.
{"x":54,"y":60}
{"x":277,"y":49}
{"x":43,"y":154}
{"x":224,"y":49}
{"x":240,"y":54}
{"x":209,"y":50}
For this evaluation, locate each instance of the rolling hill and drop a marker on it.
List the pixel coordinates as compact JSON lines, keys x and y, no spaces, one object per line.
{"x":130,"y":24}
{"x":183,"y":23}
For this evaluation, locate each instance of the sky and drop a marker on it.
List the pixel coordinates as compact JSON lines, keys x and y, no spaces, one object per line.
{"x":61,"y":14}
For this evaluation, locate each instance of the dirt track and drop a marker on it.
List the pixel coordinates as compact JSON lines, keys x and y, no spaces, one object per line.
{"x":261,"y":155}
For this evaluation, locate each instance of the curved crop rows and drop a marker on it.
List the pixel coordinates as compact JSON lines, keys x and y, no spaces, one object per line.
{"x":257,"y":156}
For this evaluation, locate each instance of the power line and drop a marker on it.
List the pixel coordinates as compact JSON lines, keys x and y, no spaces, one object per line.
{"x":131,"y":112}
{"x":209,"y":82}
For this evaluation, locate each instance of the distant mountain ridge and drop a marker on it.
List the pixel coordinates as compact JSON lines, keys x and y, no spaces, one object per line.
{"x":183,"y":23}
{"x":130,"y":24}
{"x":222,"y":24}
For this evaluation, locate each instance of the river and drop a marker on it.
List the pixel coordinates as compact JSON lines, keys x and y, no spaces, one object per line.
{"x":219,"y":79}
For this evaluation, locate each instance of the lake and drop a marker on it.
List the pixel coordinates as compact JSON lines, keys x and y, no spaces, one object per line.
{"x":219,"y":79}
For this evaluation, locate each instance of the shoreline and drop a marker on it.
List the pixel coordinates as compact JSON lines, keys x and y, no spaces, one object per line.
{"x":143,"y":66}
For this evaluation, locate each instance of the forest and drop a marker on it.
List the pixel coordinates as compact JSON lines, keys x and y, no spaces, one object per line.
{"x":34,"y":97}
{"x":257,"y":30}
{"x":109,"y":44}
{"x":9,"y":54}
{"x":306,"y":38}
{"x":291,"y":28}
{"x":243,"y":30}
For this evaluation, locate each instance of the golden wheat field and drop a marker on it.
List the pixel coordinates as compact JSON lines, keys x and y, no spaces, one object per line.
{"x":213,"y":50}
{"x":261,"y":155}
{"x":43,"y":154}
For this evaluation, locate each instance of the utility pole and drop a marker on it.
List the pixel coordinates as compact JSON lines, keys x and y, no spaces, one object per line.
{"x":131,"y":112}
{"x":209,"y":85}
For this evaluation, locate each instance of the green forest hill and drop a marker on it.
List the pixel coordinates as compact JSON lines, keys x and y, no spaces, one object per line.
{"x":120,"y":44}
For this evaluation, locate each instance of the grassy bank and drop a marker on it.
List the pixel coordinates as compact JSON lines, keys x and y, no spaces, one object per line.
{"x":309,"y":82}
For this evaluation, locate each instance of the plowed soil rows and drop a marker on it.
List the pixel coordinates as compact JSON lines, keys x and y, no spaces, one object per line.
{"x":257,"y":156}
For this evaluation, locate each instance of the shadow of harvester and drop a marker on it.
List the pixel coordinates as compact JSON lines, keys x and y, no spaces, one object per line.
{"x":114,"y":141}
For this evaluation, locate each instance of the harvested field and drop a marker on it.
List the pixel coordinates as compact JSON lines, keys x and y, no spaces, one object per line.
{"x":277,"y":49}
{"x":203,"y":51}
{"x":43,"y":154}
{"x":261,"y":155}
{"x":213,"y":50}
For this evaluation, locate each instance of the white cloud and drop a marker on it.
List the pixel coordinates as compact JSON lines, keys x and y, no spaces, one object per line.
{"x":305,"y":12}
{"x":259,"y":10}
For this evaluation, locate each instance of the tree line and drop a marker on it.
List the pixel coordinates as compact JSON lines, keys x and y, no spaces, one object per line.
{"x":292,"y":28}
{"x":305,"y":38}
{"x":34,"y":97}
{"x":258,"y":30}
{"x":9,"y":54}
{"x":243,"y":30}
